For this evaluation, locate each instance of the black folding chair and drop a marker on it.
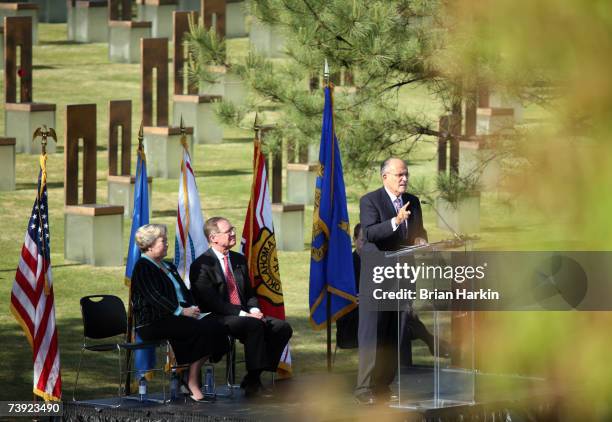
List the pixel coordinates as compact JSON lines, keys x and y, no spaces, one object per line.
{"x":104,"y":318}
{"x":230,"y":368}
{"x":347,"y":328}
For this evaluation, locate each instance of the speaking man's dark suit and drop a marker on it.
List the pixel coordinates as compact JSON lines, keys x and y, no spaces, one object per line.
{"x":264,"y":340}
{"x":378,"y":330}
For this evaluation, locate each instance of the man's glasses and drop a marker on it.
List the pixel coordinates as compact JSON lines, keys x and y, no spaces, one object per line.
{"x":230,"y":231}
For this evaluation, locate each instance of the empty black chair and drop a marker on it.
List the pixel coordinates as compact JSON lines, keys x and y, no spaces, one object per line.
{"x":347,"y":328}
{"x":104,"y":318}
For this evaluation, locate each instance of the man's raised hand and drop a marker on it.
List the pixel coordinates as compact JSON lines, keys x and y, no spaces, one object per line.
{"x":402,"y":214}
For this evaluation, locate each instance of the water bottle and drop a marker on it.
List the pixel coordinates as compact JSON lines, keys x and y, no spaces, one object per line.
{"x":209,"y":381}
{"x":142,"y":388}
{"x":174,"y":386}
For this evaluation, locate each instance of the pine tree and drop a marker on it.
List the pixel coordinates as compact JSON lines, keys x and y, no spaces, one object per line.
{"x":379,"y":47}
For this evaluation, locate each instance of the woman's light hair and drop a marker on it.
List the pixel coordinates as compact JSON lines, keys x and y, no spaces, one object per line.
{"x":147,"y":235}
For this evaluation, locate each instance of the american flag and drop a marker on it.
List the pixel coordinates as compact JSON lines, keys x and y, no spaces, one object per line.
{"x":32,"y":296}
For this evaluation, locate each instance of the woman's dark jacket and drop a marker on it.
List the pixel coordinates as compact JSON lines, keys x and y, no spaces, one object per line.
{"x":153,"y":293}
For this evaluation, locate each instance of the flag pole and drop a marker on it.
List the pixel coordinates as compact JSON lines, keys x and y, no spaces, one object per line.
{"x":257,"y":129}
{"x":43,"y":132}
{"x":329,"y":296}
{"x":130,"y":321}
{"x":187,"y":218}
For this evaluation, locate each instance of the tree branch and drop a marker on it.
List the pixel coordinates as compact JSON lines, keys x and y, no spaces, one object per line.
{"x":318,"y":19}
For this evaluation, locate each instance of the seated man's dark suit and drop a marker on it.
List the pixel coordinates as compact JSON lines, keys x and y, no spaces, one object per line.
{"x":264,"y":340}
{"x":378,"y":330}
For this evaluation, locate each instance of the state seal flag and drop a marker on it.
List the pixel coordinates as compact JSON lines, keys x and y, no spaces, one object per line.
{"x":32,"y":301}
{"x":332,"y":276}
{"x":140,"y":213}
{"x":144,"y":359}
{"x":258,"y":245}
{"x":190,"y":241}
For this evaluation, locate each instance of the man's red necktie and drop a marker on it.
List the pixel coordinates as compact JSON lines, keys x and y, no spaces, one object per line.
{"x":232,"y":288}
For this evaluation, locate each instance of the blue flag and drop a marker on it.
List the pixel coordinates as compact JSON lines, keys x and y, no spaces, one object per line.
{"x":331,"y":261}
{"x":143,"y":359}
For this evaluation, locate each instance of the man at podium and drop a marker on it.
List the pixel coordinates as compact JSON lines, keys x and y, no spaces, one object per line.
{"x":390,"y":219}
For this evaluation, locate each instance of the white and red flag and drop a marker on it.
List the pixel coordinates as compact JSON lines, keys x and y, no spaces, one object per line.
{"x":190,"y":241}
{"x":258,"y":245}
{"x":32,"y":296}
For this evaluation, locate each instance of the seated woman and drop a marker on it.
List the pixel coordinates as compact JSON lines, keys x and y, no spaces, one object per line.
{"x":163,"y":308}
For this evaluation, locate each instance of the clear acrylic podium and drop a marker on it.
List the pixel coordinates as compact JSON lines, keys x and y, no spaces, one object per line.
{"x":444,"y":376}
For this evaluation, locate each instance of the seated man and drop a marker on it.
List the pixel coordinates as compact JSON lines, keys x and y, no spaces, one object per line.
{"x":221,"y":284}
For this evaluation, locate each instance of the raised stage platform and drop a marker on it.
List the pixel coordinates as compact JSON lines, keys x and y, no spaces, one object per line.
{"x":328,"y":397}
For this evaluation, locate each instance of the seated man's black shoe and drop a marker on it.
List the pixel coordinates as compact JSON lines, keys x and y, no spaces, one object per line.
{"x":254,"y":389}
{"x":249,"y":380}
{"x":265,"y":391}
{"x":257,"y":392}
{"x":251,"y":391}
{"x":365,"y":398}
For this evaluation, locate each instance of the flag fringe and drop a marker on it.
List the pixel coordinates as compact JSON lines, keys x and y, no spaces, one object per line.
{"x":24,"y":326}
{"x":341,"y":312}
{"x":284,"y":371}
{"x":45,"y":396}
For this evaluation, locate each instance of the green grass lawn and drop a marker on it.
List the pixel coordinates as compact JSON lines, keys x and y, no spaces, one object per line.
{"x":66,"y":73}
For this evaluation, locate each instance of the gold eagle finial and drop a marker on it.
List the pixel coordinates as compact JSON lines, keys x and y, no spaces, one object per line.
{"x":43,"y":132}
